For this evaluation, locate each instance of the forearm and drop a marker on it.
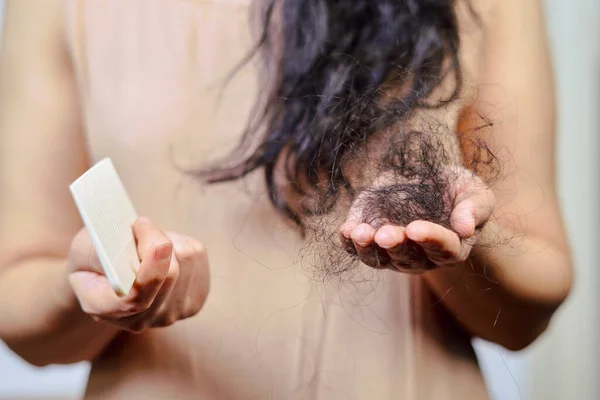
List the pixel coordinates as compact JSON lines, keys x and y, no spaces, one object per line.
{"x":505,"y":293}
{"x":40,"y":317}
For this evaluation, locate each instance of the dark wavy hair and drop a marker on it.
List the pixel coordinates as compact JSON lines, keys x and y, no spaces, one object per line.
{"x":329,"y":64}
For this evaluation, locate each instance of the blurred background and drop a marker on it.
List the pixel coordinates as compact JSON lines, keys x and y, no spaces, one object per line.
{"x":565,"y":363}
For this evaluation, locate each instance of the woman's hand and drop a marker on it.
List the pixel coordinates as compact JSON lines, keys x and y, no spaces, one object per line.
{"x":421,"y":245}
{"x":172,"y":281}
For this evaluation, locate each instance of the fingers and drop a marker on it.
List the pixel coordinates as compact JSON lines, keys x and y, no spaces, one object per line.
{"x":98,"y":299}
{"x":386,"y":247}
{"x":462,"y":219}
{"x":194,"y":255}
{"x":346,"y":236}
{"x":404,"y":254}
{"x":474,"y":205}
{"x":190,"y":256}
{"x":422,"y":244}
{"x":151,"y":276}
{"x":82,"y":255}
{"x":363,"y":236}
{"x":391,"y":239}
{"x":172,"y":281}
{"x":148,"y":235}
{"x":441,"y":245}
{"x":419,"y":247}
{"x":155,"y":249}
{"x":96,"y":296}
{"x":363,"y":240}
{"x":158,"y":314}
{"x":183,"y":292}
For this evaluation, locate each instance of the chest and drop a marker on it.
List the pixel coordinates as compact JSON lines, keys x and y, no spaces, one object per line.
{"x":155,"y":98}
{"x":153,"y":74}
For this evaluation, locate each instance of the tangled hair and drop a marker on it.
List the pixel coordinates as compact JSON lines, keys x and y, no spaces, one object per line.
{"x":333,"y":60}
{"x":339,"y":75}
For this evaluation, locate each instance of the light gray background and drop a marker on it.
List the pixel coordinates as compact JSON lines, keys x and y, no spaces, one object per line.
{"x":564,"y":364}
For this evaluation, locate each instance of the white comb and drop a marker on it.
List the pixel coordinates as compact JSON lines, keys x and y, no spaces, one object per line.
{"x":108,"y":215}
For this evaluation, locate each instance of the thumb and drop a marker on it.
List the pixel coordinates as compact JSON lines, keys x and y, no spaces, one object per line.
{"x":83,"y":255}
{"x":474,"y":205}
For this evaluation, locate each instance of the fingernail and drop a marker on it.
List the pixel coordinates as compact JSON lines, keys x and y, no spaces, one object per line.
{"x":360,"y":236}
{"x":143,"y":220}
{"x":347,"y":229}
{"x":163,"y":252}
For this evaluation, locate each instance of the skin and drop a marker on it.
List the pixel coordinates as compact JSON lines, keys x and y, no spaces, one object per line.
{"x":522,"y":285}
{"x":62,"y":308}
{"x":45,"y":265}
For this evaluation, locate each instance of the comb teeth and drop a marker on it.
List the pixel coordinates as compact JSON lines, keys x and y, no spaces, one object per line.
{"x":108,"y":215}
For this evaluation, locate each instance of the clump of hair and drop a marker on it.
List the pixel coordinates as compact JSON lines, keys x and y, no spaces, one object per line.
{"x":410,"y":180}
{"x":338,"y":74}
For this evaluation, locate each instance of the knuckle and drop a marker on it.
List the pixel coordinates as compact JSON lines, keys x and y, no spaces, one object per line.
{"x":187,"y":250}
{"x":186,"y":254}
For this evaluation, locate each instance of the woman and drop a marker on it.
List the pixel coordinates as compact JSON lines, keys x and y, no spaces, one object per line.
{"x":368,"y":127}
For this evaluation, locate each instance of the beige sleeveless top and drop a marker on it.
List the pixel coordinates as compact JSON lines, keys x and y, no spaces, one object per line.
{"x":150,"y":75}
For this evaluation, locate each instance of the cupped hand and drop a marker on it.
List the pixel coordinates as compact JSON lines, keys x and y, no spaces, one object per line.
{"x":172,"y":282}
{"x":421,"y":245}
